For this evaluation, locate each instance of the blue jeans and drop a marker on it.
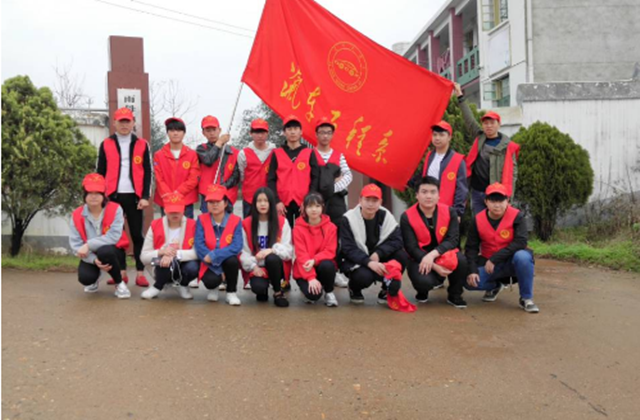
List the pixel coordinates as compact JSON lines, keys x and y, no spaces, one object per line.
{"x":188,"y":211}
{"x":477,"y":201}
{"x":520,"y":265}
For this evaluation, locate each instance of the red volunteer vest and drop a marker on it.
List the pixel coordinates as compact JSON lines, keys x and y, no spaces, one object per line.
{"x":175,"y":172}
{"x":208,"y":173}
{"x":246,"y":225}
{"x":421,"y":230}
{"x":448,"y":179}
{"x":107,"y":219}
{"x":507,"y":170}
{"x":113,"y":165}
{"x":493,"y":240}
{"x":210,"y":235}
{"x":159,"y":238}
{"x":255,"y":174}
{"x":334,"y":158}
{"x":293,"y":177}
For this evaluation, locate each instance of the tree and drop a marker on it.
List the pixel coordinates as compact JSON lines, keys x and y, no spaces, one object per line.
{"x":554,"y":174}
{"x":44,"y":156}
{"x":67,"y":89}
{"x":461,"y":141}
{"x":259,"y":111}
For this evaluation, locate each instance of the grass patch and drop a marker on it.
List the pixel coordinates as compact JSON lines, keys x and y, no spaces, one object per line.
{"x":40,"y":262}
{"x":620,"y":252}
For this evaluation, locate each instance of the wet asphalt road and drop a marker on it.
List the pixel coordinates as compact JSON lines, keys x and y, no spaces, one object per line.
{"x":67,"y":355}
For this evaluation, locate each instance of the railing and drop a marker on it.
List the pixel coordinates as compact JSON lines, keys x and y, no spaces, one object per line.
{"x":446,"y":74}
{"x":467,"y":67}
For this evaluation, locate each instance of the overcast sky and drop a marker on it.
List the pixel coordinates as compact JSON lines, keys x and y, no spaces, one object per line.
{"x":37,"y":34}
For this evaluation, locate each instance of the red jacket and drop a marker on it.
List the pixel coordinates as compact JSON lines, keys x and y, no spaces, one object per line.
{"x":316,"y":243}
{"x":493,"y":240}
{"x":179,"y":175}
{"x":207,"y":173}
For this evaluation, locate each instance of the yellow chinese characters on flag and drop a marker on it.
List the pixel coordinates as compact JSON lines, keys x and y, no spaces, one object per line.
{"x":307,"y":62}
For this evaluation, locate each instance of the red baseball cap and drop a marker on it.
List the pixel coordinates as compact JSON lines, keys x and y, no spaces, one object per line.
{"x":215,"y":193}
{"x":123,"y":113}
{"x":94,"y":183}
{"x":492,"y":115}
{"x":444,"y":125}
{"x":497,"y":188}
{"x":290,"y":118}
{"x":371,"y":190}
{"x":259,"y":124}
{"x":210,"y":121}
{"x":173,"y":203}
{"x":170,"y":119}
{"x":325,"y":121}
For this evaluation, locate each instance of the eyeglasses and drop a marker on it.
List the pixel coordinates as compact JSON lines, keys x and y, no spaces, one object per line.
{"x":325,"y":133}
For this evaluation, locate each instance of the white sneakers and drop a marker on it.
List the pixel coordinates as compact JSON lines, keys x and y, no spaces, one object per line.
{"x":341,"y":280}
{"x":184,"y":292}
{"x":122,"y":291}
{"x":150,"y":293}
{"x":232,"y":299}
{"x":194,"y":283}
{"x":92,"y":288}
{"x":213,"y":295}
{"x":330,"y":299}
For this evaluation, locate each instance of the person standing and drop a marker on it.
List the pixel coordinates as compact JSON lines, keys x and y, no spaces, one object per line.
{"x":253,"y":163}
{"x":124,"y":161}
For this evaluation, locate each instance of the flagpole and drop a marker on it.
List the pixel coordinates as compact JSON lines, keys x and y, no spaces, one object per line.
{"x":233,"y":113}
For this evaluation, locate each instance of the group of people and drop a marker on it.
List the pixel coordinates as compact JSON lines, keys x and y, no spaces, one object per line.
{"x":295,"y":223}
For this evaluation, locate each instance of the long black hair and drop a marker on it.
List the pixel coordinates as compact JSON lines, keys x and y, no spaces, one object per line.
{"x":272,"y":218}
{"x":312,"y":198}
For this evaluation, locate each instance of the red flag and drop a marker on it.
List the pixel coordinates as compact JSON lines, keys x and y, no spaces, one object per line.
{"x":307,"y":62}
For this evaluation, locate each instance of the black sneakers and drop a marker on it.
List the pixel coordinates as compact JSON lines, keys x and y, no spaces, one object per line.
{"x":492,"y":295}
{"x":280,"y":301}
{"x":457,"y":302}
{"x":382,"y":297}
{"x":422,"y":297}
{"x":356,"y":297}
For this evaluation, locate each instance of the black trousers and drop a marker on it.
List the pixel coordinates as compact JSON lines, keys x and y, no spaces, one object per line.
{"x":188,"y":271}
{"x":336,"y":207}
{"x":108,"y":254}
{"x":230,"y":268}
{"x":293,"y":212}
{"x":364,"y":277}
{"x":275,"y":269}
{"x":135,"y":218}
{"x":423,"y":283}
{"x":326,"y":273}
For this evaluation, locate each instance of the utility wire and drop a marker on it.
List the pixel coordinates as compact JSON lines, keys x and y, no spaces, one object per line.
{"x":192,"y":16}
{"x":174,"y":19}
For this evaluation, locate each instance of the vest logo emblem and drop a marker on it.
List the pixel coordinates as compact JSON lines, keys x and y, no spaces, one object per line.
{"x":451,"y":176}
{"x":186,"y":165}
{"x":190,"y":243}
{"x":505,"y":234}
{"x":230,"y":167}
{"x":228,"y":239}
{"x":105,"y":229}
{"x":301,"y":166}
{"x":137,"y":160}
{"x":443,"y":230}
{"x":266,"y":169}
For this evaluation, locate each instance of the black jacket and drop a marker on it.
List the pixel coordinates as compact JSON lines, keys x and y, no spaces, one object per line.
{"x":353,"y":255}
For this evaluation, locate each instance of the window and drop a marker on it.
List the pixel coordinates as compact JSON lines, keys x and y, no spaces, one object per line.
{"x":498,"y":92}
{"x":494,"y":12}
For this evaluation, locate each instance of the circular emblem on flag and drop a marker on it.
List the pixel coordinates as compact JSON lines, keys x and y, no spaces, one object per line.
{"x":230,"y":167}
{"x":443,"y":230}
{"x":301,"y":166}
{"x":190,"y":242}
{"x":504,"y":234}
{"x":186,"y":165}
{"x":347,"y":66}
{"x":451,"y":176}
{"x":229,"y":238}
{"x":137,"y":160}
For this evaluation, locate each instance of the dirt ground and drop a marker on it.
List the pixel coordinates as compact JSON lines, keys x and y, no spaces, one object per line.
{"x":68,"y":355}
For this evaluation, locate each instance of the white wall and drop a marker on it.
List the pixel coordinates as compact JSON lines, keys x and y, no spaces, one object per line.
{"x":607,"y":129}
